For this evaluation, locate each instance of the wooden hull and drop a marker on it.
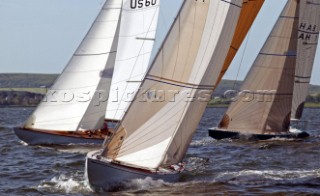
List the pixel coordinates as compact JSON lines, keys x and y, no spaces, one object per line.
{"x":219,"y":134}
{"x":104,"y":175}
{"x":37,"y":137}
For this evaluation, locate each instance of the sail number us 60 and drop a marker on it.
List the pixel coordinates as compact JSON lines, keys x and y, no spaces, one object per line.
{"x":142,"y":3}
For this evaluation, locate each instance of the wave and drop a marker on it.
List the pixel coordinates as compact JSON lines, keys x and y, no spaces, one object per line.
{"x":270,"y":177}
{"x":65,"y":184}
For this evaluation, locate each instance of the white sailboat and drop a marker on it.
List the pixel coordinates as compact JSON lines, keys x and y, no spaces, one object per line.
{"x":120,"y":40}
{"x":263,"y":109}
{"x":154,"y":134}
{"x":72,"y":110}
{"x":308,"y":36}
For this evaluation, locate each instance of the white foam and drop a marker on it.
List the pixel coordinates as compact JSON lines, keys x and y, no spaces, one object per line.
{"x":144,"y":184}
{"x":23,"y":143}
{"x":66,"y":185}
{"x":203,"y":142}
{"x":78,"y":149}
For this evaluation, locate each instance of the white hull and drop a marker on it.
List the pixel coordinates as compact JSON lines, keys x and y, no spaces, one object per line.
{"x":104,"y":175}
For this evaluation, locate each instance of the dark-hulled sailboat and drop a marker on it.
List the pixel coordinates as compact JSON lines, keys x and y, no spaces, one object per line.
{"x":154,"y":134}
{"x":263,"y":108}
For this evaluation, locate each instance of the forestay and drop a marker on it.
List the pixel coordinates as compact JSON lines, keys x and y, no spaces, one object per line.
{"x":159,"y":124}
{"x":264,"y":105}
{"x":73,"y":102}
{"x":249,"y":12}
{"x":139,"y":21}
{"x":308,"y":35}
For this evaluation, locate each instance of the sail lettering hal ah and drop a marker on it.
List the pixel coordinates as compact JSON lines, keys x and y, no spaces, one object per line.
{"x":72,"y":110}
{"x":153,"y":137}
{"x":308,"y":36}
{"x":137,"y":37}
{"x":263,"y":107}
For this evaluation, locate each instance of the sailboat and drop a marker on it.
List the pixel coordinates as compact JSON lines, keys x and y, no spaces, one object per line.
{"x":263,"y":108}
{"x":71,"y":111}
{"x":74,"y":109}
{"x":153,"y":136}
{"x":307,"y":45}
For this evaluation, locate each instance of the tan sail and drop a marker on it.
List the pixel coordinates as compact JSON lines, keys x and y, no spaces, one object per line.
{"x":265,"y":103}
{"x":159,"y":124}
{"x":249,"y":12}
{"x":308,"y":36}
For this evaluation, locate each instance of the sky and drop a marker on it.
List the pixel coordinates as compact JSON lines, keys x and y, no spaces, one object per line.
{"x":40,"y":36}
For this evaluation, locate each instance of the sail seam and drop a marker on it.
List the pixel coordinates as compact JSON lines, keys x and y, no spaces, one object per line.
{"x":270,"y":54}
{"x":95,"y":54}
{"x":231,"y":3}
{"x":182,"y":84}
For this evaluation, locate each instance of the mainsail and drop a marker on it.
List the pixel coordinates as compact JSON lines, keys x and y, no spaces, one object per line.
{"x":136,"y":41}
{"x":75,"y":100}
{"x":264,"y":105}
{"x":308,"y":35}
{"x":160,"y":122}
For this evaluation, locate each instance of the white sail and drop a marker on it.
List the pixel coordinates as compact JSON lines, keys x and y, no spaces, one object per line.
{"x":309,"y":22}
{"x":264,"y":107}
{"x":159,"y":124}
{"x":139,"y":21}
{"x":65,"y":107}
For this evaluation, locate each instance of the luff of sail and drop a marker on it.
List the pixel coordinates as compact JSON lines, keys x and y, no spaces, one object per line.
{"x":160,"y":122}
{"x":66,"y":105}
{"x":249,"y":12}
{"x":308,"y":35}
{"x":136,"y":40}
{"x":265,"y":103}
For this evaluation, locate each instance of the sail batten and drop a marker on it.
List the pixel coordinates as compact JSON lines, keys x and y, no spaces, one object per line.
{"x":65,"y":107}
{"x":161,"y":120}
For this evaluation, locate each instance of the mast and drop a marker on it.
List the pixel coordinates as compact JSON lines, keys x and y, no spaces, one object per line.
{"x":137,"y":38}
{"x":159,"y":124}
{"x":308,"y":35}
{"x":66,"y":105}
{"x":249,"y":12}
{"x":264,"y":105}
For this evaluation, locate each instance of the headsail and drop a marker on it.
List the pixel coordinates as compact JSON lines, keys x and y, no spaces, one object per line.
{"x":308,"y":35}
{"x":160,"y":122}
{"x":265,"y":103}
{"x":66,"y":105}
{"x":137,"y":37}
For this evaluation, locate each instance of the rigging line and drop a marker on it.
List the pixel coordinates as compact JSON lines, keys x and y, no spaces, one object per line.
{"x":136,"y":60}
{"x":241,"y":61}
